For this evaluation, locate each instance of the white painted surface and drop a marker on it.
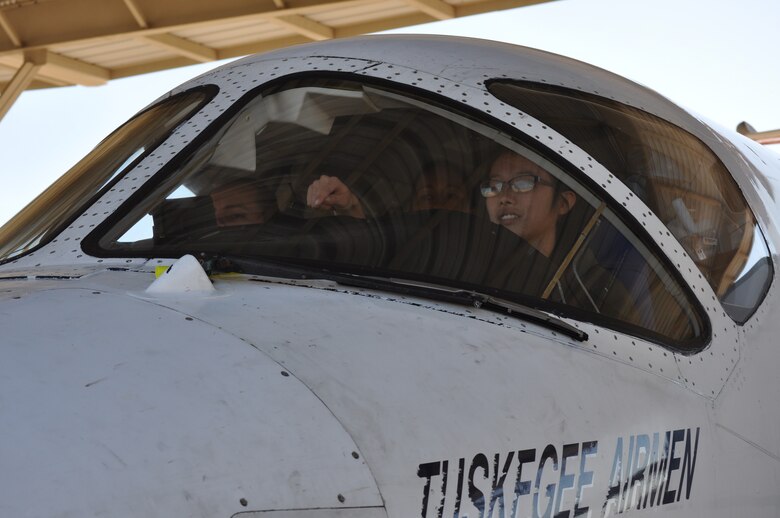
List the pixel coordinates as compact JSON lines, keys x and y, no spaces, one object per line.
{"x":183,"y":276}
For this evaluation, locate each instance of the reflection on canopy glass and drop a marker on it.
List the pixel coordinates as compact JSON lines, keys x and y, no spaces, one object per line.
{"x":675,"y":174}
{"x":40,"y":220}
{"x":352,"y":178}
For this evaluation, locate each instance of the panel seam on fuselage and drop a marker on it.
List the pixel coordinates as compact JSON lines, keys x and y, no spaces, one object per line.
{"x":748,"y":441}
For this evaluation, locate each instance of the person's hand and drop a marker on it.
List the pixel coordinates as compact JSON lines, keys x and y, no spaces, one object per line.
{"x":330,"y":193}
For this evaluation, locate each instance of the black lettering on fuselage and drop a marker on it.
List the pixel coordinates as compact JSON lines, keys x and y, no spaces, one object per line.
{"x":642,"y":476}
{"x":653,"y":472}
{"x":662,"y":475}
{"x":674,"y":465}
{"x":522,"y":487}
{"x":585,"y":479}
{"x":444,"y":468}
{"x":639,"y":467}
{"x":549,"y":453}
{"x":459,"y":495}
{"x":615,"y":479}
{"x":427,"y":471}
{"x":624,"y":494}
{"x":566,"y":480}
{"x":689,"y":463}
{"x":497,"y":493}
{"x":478,"y":497}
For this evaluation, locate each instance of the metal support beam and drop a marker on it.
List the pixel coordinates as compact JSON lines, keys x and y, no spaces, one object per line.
{"x":762,"y":137}
{"x":765,"y":137}
{"x":74,"y":71}
{"x":469,"y":9}
{"x":19,"y":82}
{"x":306,"y":26}
{"x":51,"y":23}
{"x":9,"y":30}
{"x":60,"y":70}
{"x":54,"y":17}
{"x":137,"y":14}
{"x":40,"y":81}
{"x":183,"y":47}
{"x":381,"y":25}
{"x":436,"y":8}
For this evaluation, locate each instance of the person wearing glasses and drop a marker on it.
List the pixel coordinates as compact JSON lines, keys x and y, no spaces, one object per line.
{"x":527,"y":200}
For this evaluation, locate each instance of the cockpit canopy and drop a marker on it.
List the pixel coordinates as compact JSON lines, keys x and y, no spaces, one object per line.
{"x":361,"y":176}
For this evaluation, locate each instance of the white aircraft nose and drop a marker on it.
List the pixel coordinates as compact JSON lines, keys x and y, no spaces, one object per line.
{"x":149,"y":412}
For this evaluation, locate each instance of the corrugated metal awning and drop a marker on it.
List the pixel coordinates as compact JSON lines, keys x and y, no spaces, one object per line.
{"x":49,"y":43}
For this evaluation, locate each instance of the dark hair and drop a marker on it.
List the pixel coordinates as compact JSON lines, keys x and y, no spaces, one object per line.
{"x":559,"y":188}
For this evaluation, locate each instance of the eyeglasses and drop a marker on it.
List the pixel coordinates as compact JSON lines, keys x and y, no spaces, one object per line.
{"x":522,"y":183}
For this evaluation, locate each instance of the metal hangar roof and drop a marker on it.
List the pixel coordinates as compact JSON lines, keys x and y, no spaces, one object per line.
{"x":49,"y":43}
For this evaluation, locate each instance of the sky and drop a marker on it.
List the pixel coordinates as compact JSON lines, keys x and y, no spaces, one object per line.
{"x":715,"y":57}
